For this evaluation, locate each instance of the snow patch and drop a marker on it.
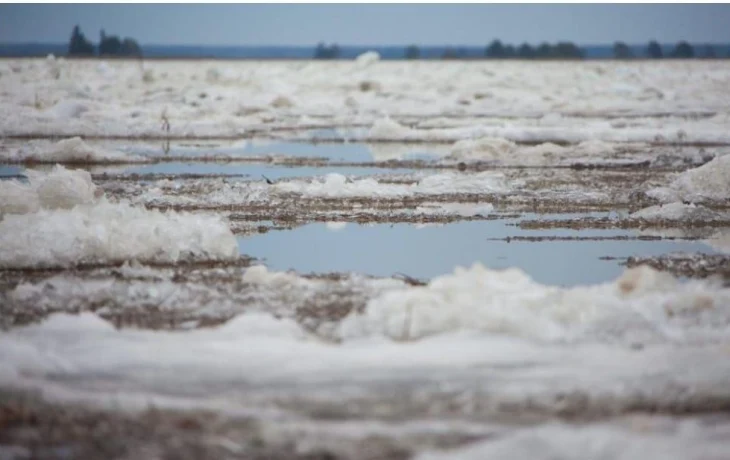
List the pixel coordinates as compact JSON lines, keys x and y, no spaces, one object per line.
{"x":259,"y":274}
{"x":367,"y":58}
{"x":68,"y":109}
{"x":709,"y":181}
{"x":644,"y":438}
{"x":679,"y":212}
{"x":720,"y":241}
{"x":486,"y":148}
{"x":337,"y":185}
{"x":109,"y":233}
{"x":643,"y":304}
{"x":389,"y":129}
{"x":60,"y":189}
{"x":456,"y":209}
{"x":72,"y":150}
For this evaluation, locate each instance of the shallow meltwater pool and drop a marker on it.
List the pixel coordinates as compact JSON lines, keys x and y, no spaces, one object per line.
{"x":132,"y":325}
{"x":255,"y":171}
{"x":332,"y":151}
{"x":429,"y":250}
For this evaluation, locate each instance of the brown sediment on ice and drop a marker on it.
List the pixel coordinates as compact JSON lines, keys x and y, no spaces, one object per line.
{"x":363,"y":217}
{"x":31,"y":427}
{"x":695,"y":265}
{"x":582,"y":223}
{"x":137,"y":177}
{"x":184,"y":297}
{"x":10,"y":277}
{"x":539,"y":239}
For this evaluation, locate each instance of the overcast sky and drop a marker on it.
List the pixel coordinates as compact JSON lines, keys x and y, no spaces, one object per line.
{"x":353,"y":24}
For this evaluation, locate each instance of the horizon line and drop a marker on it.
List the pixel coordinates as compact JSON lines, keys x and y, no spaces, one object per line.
{"x":378,"y":46}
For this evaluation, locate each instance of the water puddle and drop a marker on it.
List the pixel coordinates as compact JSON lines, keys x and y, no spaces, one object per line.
{"x":10,"y":172}
{"x":335,"y":152}
{"x":254,"y":171}
{"x":430,"y":250}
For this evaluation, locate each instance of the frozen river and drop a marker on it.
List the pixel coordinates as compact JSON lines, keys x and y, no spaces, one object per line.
{"x":364,"y":259}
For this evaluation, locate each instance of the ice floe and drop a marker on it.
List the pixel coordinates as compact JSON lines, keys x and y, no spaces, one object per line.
{"x":59,"y":189}
{"x":337,"y":185}
{"x":642,"y":305}
{"x":109,"y":233}
{"x":640,"y":437}
{"x":679,"y":212}
{"x":581,"y":102}
{"x":710,"y":181}
{"x":72,"y":150}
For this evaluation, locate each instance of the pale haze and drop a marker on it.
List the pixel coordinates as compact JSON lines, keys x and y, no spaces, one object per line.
{"x":367,"y":24}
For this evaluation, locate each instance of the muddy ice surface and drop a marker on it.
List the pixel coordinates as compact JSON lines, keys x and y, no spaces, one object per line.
{"x":364,"y":260}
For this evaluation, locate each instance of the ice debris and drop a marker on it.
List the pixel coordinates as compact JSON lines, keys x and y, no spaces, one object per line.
{"x":110,"y":233}
{"x":367,"y":58}
{"x":678,"y":212}
{"x":337,"y":185}
{"x":60,"y":189}
{"x":72,"y":150}
{"x":710,"y":181}
{"x":642,"y":305}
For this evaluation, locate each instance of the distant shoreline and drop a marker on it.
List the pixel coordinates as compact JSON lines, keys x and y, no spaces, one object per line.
{"x":303,"y":53}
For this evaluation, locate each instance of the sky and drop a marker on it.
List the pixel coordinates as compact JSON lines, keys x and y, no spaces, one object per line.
{"x":374,"y":24}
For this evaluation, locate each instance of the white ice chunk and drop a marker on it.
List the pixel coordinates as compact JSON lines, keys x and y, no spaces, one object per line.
{"x":643,"y":304}
{"x":389,"y":129}
{"x":486,"y":148}
{"x":68,"y":109}
{"x":709,"y":181}
{"x":337,"y":185}
{"x":105,"y":232}
{"x":60,"y":189}
{"x":679,"y":212}
{"x":367,"y":58}
{"x":72,"y":150}
{"x":676,"y":440}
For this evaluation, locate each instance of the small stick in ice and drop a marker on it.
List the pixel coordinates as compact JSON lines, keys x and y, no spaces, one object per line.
{"x":165,"y":121}
{"x":268,"y":181}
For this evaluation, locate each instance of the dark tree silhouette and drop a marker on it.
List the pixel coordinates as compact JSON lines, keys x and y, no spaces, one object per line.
{"x":130,"y":47}
{"x":412,"y":52}
{"x":109,"y":45}
{"x":495,"y":50}
{"x":683,"y":50}
{"x":525,"y":51}
{"x":79,"y":45}
{"x":327,"y":52}
{"x":509,"y":51}
{"x":320,"y":51}
{"x":450,"y":53}
{"x":708,"y":52}
{"x":567,"y":50}
{"x":544,"y":51}
{"x":654,"y":51}
{"x":622,"y":51}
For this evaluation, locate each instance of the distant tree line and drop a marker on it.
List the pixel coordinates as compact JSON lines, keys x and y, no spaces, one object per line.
{"x":682,"y":50}
{"x":568,"y":50}
{"x":327,"y":52}
{"x":560,"y":50}
{"x":109,"y":45}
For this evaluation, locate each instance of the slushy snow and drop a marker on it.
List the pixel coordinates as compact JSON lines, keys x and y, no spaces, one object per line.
{"x":368,"y":58}
{"x":337,"y":185}
{"x":110,"y":233}
{"x":679,"y":212}
{"x":72,"y":150}
{"x":642,"y":305}
{"x":60,"y":189}
{"x":710,"y":181}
